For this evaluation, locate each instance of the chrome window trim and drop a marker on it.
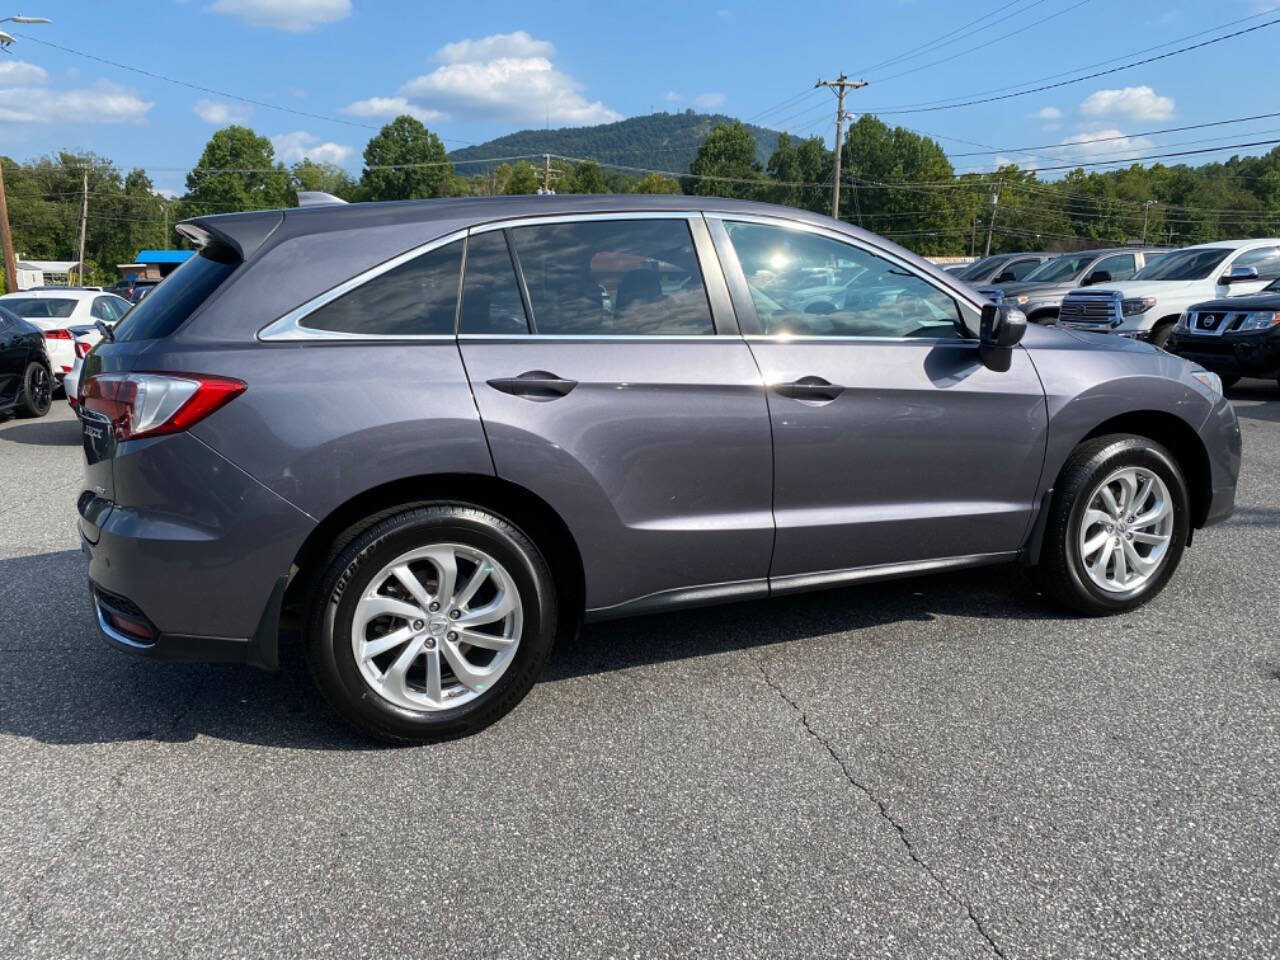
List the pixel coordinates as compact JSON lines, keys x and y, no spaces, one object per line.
{"x":289,"y":328}
{"x":839,"y":237}
{"x":603,"y":337}
{"x":823,"y":338}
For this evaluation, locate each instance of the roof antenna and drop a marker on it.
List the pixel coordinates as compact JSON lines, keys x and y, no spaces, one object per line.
{"x":317,"y":198}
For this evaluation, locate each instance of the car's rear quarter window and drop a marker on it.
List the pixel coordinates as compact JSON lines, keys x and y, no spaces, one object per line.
{"x":169,"y":305}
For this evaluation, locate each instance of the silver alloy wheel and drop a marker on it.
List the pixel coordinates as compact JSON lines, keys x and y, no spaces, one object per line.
{"x":1126,"y":528}
{"x":437,"y":627}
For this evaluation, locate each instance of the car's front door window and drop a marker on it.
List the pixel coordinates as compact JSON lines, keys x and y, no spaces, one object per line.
{"x":807,"y":284}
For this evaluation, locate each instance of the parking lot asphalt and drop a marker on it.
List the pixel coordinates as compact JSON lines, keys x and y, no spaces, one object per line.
{"x":937,"y":767}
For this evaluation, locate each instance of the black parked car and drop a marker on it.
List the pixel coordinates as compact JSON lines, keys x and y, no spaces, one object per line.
{"x":26,"y":378}
{"x":1234,"y":337}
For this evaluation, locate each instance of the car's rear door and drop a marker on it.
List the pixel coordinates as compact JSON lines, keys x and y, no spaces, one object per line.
{"x":612,"y":383}
{"x":894,"y":444}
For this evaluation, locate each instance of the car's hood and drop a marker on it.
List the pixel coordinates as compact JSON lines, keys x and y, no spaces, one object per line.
{"x":1149,"y":288}
{"x":1034,"y":290}
{"x":1257,"y":301}
{"x":1055,"y":336}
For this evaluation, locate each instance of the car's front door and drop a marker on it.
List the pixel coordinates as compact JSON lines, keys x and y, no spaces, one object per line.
{"x":893,"y":443}
{"x":613,"y":384}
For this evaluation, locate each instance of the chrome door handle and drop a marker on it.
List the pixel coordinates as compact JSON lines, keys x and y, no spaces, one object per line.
{"x":810,"y":389}
{"x":534,"y":385}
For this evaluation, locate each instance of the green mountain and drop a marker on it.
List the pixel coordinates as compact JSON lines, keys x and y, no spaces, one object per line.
{"x":659,"y":141}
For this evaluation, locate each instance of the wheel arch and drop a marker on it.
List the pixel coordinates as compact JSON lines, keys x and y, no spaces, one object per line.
{"x":520,"y":506}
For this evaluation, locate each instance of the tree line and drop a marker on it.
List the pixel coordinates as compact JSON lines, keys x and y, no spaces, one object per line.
{"x":895,"y":182}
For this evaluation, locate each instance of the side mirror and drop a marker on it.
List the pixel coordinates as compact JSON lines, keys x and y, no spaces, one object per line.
{"x":1001,"y":330}
{"x":1098,"y":276}
{"x":1005,"y":277}
{"x":1239,"y":275}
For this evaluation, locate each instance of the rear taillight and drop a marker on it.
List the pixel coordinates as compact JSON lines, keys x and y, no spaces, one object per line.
{"x":83,"y":348}
{"x":152,"y":404}
{"x":58,"y":335}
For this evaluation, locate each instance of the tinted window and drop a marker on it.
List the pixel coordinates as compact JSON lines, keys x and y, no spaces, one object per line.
{"x":418,"y":297}
{"x":1266,"y":260}
{"x":490,"y":292}
{"x":40,"y":307}
{"x":1020,"y":268}
{"x":613,"y":277}
{"x":810,"y":285}
{"x":977,"y":271}
{"x":1059,"y":269}
{"x":1184,"y":265}
{"x":102,"y":310}
{"x":179,"y":296}
{"x":1121,"y":267}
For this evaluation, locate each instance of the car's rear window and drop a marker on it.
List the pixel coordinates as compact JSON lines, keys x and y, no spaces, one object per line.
{"x":169,"y":304}
{"x":41,"y":306}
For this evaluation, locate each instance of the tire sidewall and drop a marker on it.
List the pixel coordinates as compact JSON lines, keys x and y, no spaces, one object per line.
{"x":1124,"y":453}
{"x":333,"y":607}
{"x":28,"y":398}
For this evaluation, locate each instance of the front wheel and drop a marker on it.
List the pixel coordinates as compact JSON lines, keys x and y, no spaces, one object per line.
{"x":431,"y":623}
{"x":1117,"y":526}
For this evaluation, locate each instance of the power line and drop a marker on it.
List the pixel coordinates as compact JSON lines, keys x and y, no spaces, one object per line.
{"x":943,"y":40}
{"x":1063,"y":83}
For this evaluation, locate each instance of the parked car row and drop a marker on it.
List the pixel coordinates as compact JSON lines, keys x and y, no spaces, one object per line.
{"x":68,"y":317}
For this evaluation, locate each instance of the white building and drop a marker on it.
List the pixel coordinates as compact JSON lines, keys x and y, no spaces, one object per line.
{"x":45,"y":273}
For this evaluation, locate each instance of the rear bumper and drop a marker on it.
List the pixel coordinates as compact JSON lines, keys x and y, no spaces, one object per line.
{"x":194,"y":568}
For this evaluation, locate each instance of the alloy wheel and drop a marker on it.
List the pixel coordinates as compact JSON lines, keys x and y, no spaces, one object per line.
{"x":437,"y":627}
{"x":40,"y":388}
{"x":1126,"y":529}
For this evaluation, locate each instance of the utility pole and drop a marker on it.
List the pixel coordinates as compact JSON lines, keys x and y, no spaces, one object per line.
{"x":6,"y":240}
{"x":840,"y":85}
{"x":1146,"y":214}
{"x":84,"y":222}
{"x":546,"y":173}
{"x":973,"y":235}
{"x":991,"y":224}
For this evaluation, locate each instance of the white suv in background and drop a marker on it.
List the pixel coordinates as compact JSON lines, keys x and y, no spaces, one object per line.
{"x":66,"y":315}
{"x":1148,"y":306}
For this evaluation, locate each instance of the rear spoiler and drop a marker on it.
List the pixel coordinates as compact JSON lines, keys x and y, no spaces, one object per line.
{"x":242,"y":232}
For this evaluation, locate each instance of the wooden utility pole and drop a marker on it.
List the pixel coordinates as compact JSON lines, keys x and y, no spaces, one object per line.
{"x":840,"y":85}
{"x":6,"y":240}
{"x":991,"y":224}
{"x":84,"y":222}
{"x":546,"y":173}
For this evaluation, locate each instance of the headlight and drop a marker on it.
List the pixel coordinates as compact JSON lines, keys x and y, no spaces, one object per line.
{"x":1021,"y":299}
{"x":1210,"y":380}
{"x":1259,"y":320}
{"x":1184,"y":322}
{"x":1132,"y":308}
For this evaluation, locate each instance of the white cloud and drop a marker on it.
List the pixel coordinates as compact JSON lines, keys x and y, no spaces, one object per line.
{"x":724,"y":13}
{"x":300,"y":145}
{"x":1048,"y":113}
{"x":389,"y":107}
{"x":19,"y":73}
{"x":101,"y":102}
{"x":709,"y":101}
{"x":1135,"y":103}
{"x":221,"y":114}
{"x":672,"y":97}
{"x":292,"y":15}
{"x":506,"y":76}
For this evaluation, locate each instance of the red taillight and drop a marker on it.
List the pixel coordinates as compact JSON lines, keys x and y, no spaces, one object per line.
{"x":83,"y":348}
{"x":152,"y":404}
{"x":58,"y":335}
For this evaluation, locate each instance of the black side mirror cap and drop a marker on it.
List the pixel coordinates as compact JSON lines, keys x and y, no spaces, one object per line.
{"x":1006,"y":277}
{"x":1002,"y":328}
{"x":1098,"y":276}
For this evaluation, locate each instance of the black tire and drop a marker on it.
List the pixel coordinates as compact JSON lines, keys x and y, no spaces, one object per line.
{"x":1060,"y":571}
{"x":1162,"y":332}
{"x":350,"y":567}
{"x":36,"y":395}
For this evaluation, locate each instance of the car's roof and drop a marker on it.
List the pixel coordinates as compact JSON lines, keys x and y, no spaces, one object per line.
{"x":59,"y":293}
{"x":1234,"y":244}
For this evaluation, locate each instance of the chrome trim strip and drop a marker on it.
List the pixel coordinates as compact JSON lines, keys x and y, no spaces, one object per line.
{"x":578,"y":217}
{"x":800,"y":582}
{"x":115,"y":634}
{"x":822,"y":338}
{"x":860,"y":242}
{"x":289,"y":328}
{"x":603,"y":337}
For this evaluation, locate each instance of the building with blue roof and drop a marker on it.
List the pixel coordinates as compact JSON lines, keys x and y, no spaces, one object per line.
{"x":154,"y":264}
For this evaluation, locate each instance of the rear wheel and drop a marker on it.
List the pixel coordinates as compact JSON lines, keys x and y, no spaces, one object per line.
{"x":37,"y":390}
{"x":431,"y":623}
{"x":1117,"y":526}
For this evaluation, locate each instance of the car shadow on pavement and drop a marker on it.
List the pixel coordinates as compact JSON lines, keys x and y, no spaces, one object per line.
{"x":62,"y":685}
{"x":43,"y":433}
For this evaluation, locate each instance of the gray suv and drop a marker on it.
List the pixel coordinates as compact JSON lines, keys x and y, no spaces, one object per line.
{"x":1040,"y":293}
{"x":437,"y":434}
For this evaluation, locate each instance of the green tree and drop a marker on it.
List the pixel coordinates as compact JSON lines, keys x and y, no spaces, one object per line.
{"x":584,"y":178}
{"x":806,"y":161}
{"x":726,"y":158}
{"x":236,"y":171}
{"x":329,"y":178}
{"x":524,"y":178}
{"x":405,"y":161}
{"x":655,"y":183}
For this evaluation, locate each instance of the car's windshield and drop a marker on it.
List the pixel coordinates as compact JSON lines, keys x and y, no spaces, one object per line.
{"x":1184,"y":265}
{"x":1272,"y":287}
{"x":1059,"y":269}
{"x":40,"y":306}
{"x":980,"y":269}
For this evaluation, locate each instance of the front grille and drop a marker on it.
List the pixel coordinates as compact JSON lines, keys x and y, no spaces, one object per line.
{"x":1092,"y":310}
{"x":1214,"y":323}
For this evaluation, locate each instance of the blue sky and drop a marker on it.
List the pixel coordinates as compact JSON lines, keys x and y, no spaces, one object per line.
{"x":475,"y":71}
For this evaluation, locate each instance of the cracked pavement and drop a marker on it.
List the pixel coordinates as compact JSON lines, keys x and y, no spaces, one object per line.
{"x":937,"y":767}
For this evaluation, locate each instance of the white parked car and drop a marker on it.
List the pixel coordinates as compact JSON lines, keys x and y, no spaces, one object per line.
{"x":1148,"y":306}
{"x":66,"y":315}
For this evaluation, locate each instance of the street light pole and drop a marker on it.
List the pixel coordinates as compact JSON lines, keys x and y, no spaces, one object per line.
{"x":1146,"y":215}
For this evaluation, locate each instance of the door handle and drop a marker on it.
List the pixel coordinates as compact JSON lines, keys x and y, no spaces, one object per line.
{"x":809,"y":389}
{"x":534,"y":385}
